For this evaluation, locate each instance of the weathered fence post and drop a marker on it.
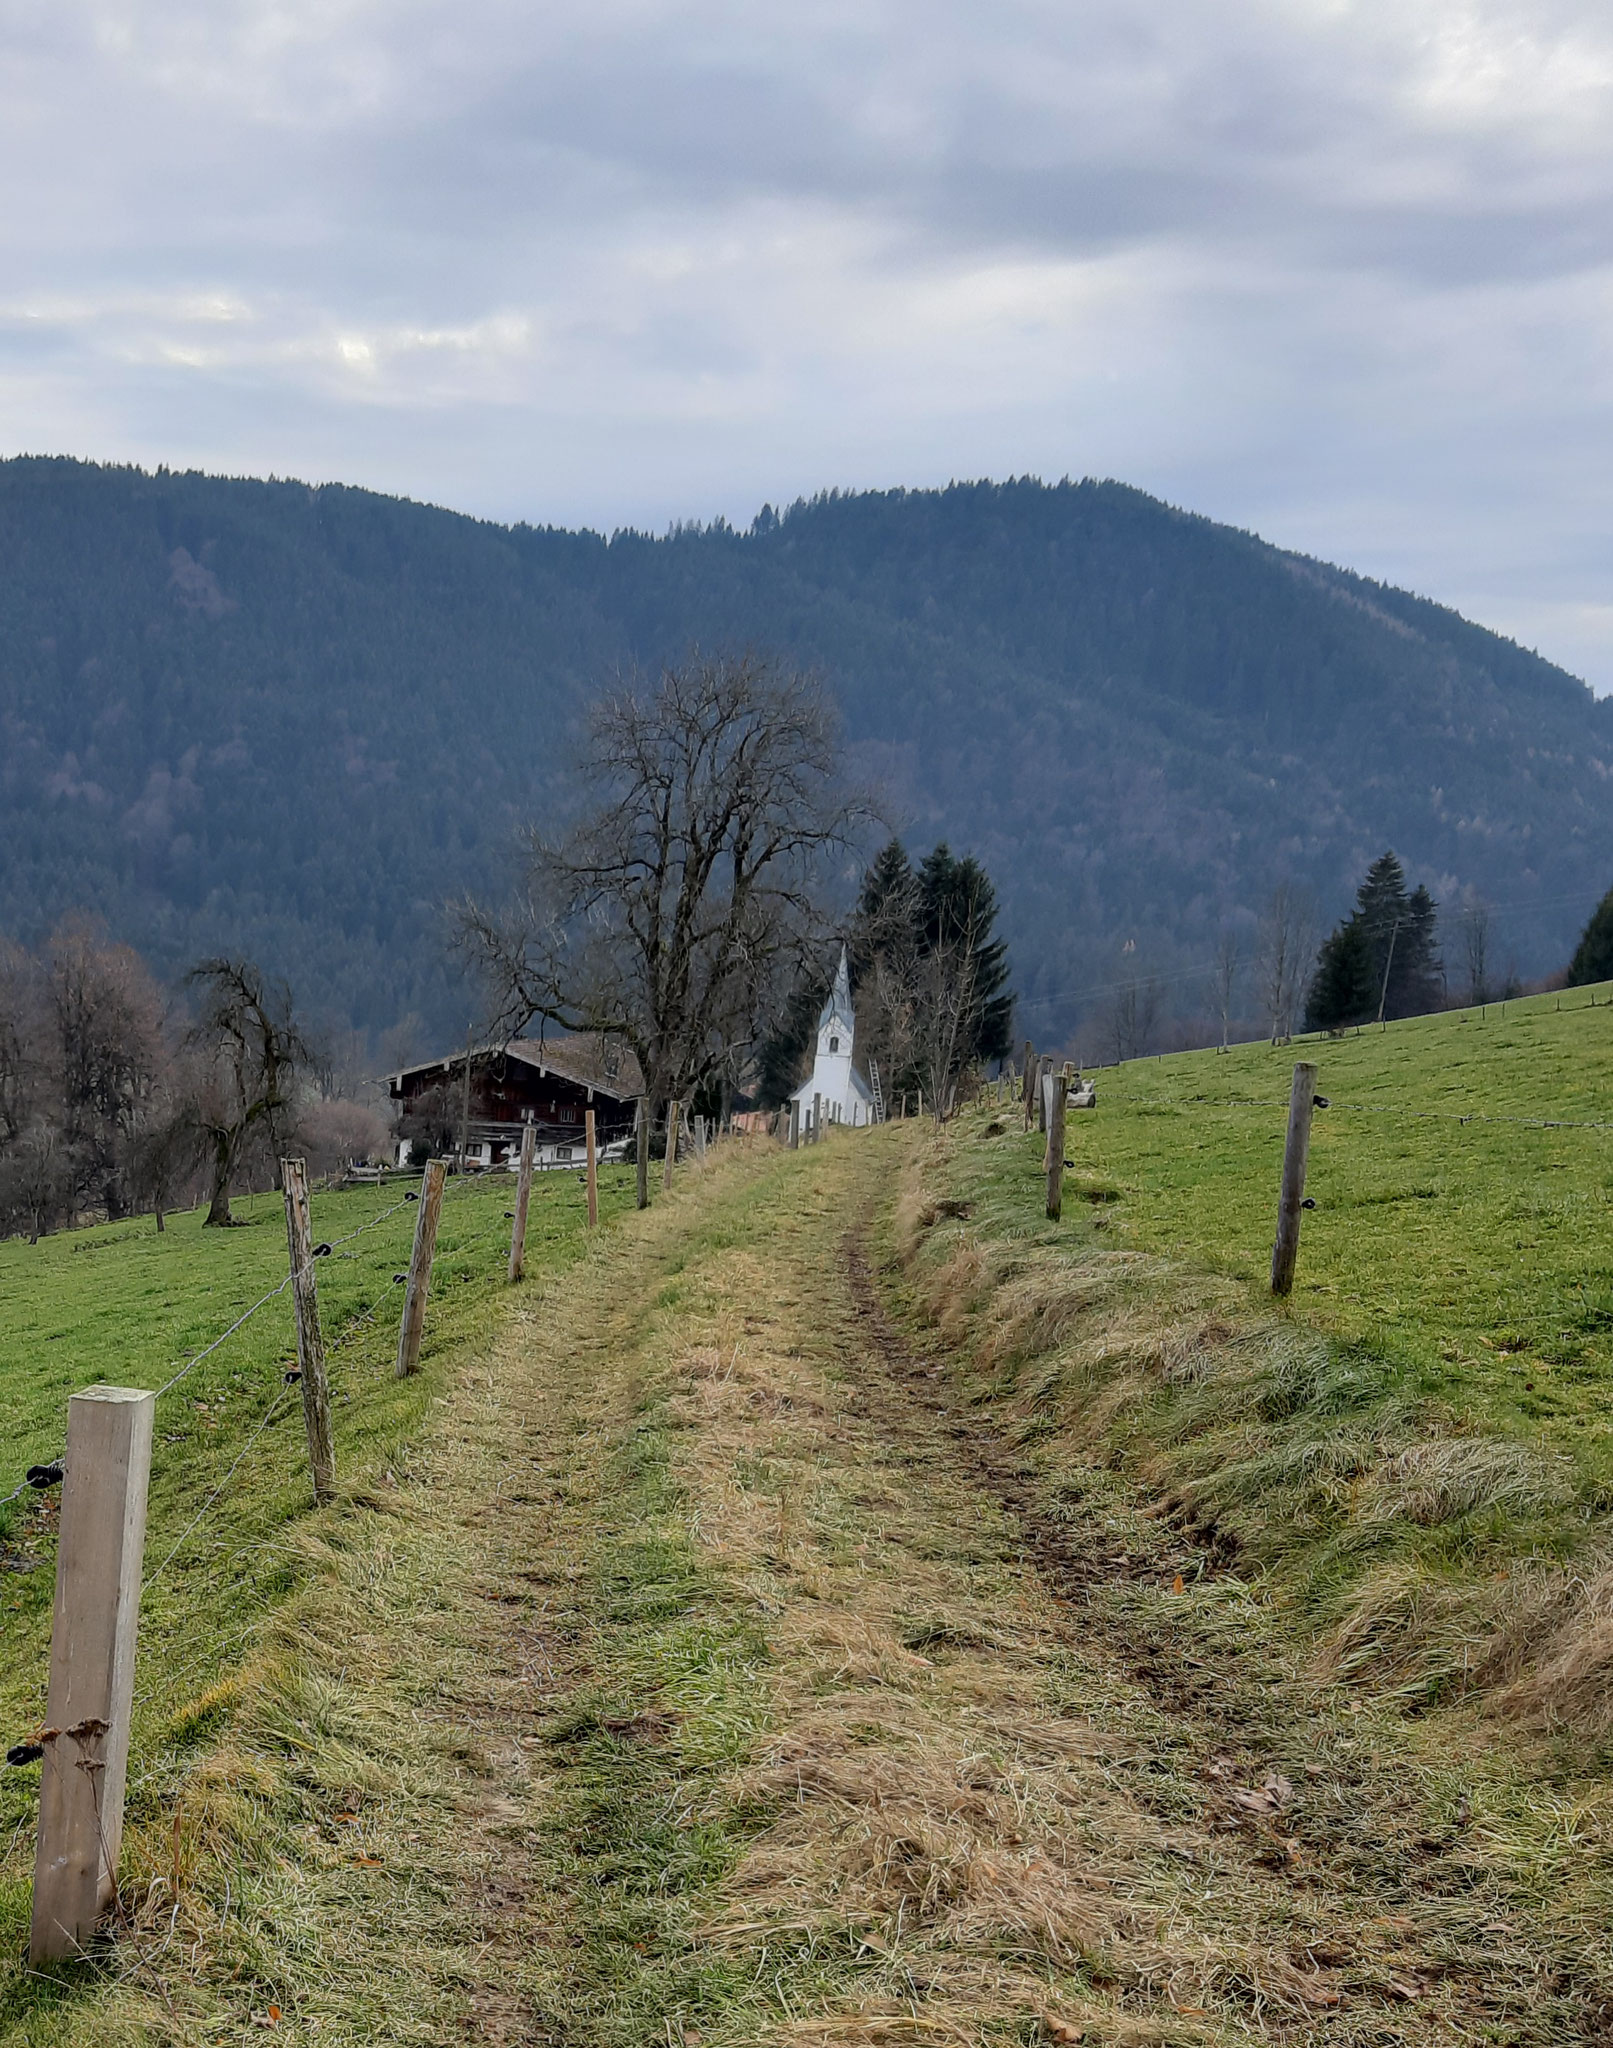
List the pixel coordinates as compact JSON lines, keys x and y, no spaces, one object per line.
{"x":593,"y":1169}
{"x":310,"y":1342}
{"x":1285,"y":1251}
{"x":674,"y":1111}
{"x":1030,"y":1083}
{"x":1055,"y":1148}
{"x":642,"y":1146}
{"x":425,"y":1245}
{"x":92,"y":1636}
{"x":700,"y":1139}
{"x":523,"y":1198}
{"x":817,"y":1118}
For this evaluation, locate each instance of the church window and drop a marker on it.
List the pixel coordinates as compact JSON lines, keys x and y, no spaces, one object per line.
{"x":834,"y":1044}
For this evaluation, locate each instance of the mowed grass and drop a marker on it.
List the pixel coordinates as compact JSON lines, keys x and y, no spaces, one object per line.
{"x":1480,"y":1251}
{"x":229,"y":1482}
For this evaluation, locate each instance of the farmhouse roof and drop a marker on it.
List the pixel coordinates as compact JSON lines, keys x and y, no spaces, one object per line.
{"x":587,"y":1060}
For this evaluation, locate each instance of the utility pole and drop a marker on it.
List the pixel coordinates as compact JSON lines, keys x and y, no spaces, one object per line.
{"x":1383,"y":993}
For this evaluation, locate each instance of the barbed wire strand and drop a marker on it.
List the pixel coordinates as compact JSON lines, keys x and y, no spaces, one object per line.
{"x":1460,"y":1116}
{"x":275,"y":1406}
{"x":207,"y":1506}
{"x":190,"y":1365}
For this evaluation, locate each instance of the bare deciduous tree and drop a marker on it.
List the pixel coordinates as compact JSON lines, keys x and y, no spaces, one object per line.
{"x":1228,"y":967}
{"x":1287,"y":947}
{"x":678,"y":910}
{"x":36,"y":1179}
{"x":106,"y":1055}
{"x":20,"y":1006}
{"x":250,"y":1056}
{"x":1476,"y":948}
{"x":945,"y":999}
{"x":1133,"y":1013}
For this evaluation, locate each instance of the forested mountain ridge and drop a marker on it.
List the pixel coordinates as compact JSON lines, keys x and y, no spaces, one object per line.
{"x":253,"y":713}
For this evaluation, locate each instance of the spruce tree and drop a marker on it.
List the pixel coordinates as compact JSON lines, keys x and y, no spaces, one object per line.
{"x":1416,"y":979}
{"x":1593,"y":956}
{"x":957,"y":903}
{"x":1344,"y":989}
{"x":1383,"y":957}
{"x":887,"y":911}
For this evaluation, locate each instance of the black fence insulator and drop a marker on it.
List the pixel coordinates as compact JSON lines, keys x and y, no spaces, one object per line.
{"x":398,"y":1279}
{"x":41,"y":1476}
{"x":321,"y":1251}
{"x":509,"y":1215}
{"x":25,"y":1753}
{"x":1321,"y":1102}
{"x":1309,"y":1202}
{"x":292,"y":1375}
{"x":413,"y":1195}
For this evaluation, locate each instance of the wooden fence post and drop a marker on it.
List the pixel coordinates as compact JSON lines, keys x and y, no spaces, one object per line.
{"x":642,"y":1137}
{"x":700,"y":1139}
{"x":1030,"y":1083}
{"x":92,"y":1637}
{"x":310,"y":1342}
{"x":817,"y":1118}
{"x":523,"y":1198}
{"x":1055,"y":1148}
{"x":425,"y":1245}
{"x":795,"y":1124}
{"x":1301,"y":1104}
{"x":674,"y":1111}
{"x":593,"y":1169}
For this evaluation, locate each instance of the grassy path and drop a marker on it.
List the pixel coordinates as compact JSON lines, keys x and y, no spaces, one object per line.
{"x":713,"y":1673}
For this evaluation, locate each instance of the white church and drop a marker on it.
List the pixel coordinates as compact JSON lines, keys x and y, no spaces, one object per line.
{"x":844,"y":1097}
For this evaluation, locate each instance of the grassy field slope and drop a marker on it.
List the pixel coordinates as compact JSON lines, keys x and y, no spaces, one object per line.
{"x":1416,"y":1452}
{"x":842,"y":1607}
{"x":230,"y":1493}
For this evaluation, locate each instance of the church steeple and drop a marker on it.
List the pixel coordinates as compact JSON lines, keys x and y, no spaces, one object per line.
{"x":836,"y":1024}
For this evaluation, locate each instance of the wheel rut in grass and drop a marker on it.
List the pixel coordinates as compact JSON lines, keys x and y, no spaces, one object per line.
{"x":1405,"y":1898}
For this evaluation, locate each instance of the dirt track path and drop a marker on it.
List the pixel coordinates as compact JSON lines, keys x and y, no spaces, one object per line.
{"x":714,"y":1675}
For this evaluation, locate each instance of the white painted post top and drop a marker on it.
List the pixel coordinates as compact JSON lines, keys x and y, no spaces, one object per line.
{"x":114,"y":1394}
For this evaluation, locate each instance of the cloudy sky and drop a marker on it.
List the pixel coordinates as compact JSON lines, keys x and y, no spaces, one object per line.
{"x":1338,"y":270}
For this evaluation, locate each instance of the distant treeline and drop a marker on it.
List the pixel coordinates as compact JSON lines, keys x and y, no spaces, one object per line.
{"x":258,"y":716}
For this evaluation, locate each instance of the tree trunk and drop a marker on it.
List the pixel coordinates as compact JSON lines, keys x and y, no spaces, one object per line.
{"x":218,"y":1208}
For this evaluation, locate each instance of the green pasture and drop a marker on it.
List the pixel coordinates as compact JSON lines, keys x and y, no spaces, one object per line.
{"x":1414,"y":1455}
{"x":229,"y":1482}
{"x":1479,"y":1250}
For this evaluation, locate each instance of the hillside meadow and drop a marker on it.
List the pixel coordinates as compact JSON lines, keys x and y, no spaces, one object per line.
{"x":1414,"y":1456}
{"x":229,"y":1481}
{"x":844,"y":1605}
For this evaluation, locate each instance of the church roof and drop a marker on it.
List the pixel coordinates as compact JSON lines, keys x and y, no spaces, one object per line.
{"x":838,"y":1003}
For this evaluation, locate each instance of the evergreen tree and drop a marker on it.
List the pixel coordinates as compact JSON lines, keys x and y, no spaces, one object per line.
{"x":958,"y":905}
{"x":1383,"y":957}
{"x":781,"y":1055}
{"x":886,"y":917}
{"x":1416,"y":979}
{"x":1593,"y":956}
{"x":1344,"y":990}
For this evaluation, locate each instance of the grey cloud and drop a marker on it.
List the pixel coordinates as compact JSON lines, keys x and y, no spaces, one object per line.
{"x":1333,"y":272}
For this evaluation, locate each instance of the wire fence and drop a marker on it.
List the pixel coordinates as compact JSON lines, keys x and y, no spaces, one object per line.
{"x":1392,"y":1109}
{"x":44,"y":1476}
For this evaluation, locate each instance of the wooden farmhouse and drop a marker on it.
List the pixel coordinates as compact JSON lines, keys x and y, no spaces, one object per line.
{"x":547,"y":1083}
